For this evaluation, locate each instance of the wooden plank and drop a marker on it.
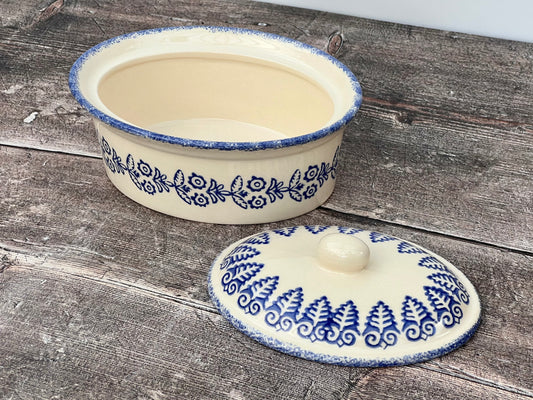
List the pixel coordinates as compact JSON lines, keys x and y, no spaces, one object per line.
{"x":60,"y":213}
{"x":410,"y":383}
{"x":102,"y":298}
{"x":67,"y":336}
{"x":17,"y":14}
{"x":412,"y":141}
{"x":71,"y":337}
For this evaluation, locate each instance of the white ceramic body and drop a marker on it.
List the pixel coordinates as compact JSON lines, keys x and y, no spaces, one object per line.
{"x":224,"y":168}
{"x":309,"y":291}
{"x":219,"y":182}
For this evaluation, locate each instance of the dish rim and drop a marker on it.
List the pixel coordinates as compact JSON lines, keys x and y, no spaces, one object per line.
{"x":211,"y":144}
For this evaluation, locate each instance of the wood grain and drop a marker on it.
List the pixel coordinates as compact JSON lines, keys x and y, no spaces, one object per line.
{"x":82,"y":339}
{"x":76,"y":224}
{"x":442,"y":112}
{"x":101,"y":298}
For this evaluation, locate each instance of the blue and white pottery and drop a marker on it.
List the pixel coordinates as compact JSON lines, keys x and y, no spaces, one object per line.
{"x":224,"y":148}
{"x":344,"y":296}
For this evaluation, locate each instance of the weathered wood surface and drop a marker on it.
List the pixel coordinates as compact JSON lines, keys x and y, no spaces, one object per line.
{"x":444,"y":112}
{"x":102,"y":298}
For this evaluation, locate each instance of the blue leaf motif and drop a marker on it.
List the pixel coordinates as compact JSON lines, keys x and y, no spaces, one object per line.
{"x":216,"y":192}
{"x":130,"y":162}
{"x":381,"y":330}
{"x":287,"y":232}
{"x":179,"y":178}
{"x":343,"y":328}
{"x":134,"y":175}
{"x":106,"y":149}
{"x":160,"y":181}
{"x":203,"y":191}
{"x":407,"y":248}
{"x":180,"y":187}
{"x":237,"y":199}
{"x":262,"y":238}
{"x":236,"y":185}
{"x":432,"y":263}
{"x":238,"y":275}
{"x":447,"y":308}
{"x":348,"y":231}
{"x":450,"y":283}
{"x":109,"y":163}
{"x":295,"y":186}
{"x":252,"y":298}
{"x":295,"y":179}
{"x":120,"y":167}
{"x":238,"y":254}
{"x":282,"y":313}
{"x":275,"y":190}
{"x":417,"y":321}
{"x":316,"y":229}
{"x":377,"y":237}
{"x":295,"y":195}
{"x":314,"y":323}
{"x":323,"y":175}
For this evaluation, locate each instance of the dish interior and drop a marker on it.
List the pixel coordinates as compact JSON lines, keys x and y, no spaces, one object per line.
{"x":219,"y":97}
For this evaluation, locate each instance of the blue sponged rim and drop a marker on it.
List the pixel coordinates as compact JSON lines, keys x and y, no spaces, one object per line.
{"x":208,"y":144}
{"x":349,"y":361}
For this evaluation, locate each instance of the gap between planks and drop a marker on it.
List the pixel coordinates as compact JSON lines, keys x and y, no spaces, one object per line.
{"x":326,"y":206}
{"x":12,"y":260}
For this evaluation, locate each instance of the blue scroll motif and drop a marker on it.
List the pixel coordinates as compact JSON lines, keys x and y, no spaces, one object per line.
{"x":318,"y":321}
{"x":380,"y":328}
{"x":417,"y":321}
{"x":248,"y":193}
{"x":282,"y":314}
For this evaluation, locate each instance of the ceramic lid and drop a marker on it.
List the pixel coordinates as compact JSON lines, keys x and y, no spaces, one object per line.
{"x":344,"y":296}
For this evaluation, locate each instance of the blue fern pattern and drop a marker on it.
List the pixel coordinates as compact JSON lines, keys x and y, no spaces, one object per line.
{"x":252,"y":299}
{"x":316,"y":229}
{"x":432,"y":263}
{"x":315,"y":321}
{"x":447,"y":308}
{"x":262,"y":238}
{"x":407,"y":248}
{"x":380,"y":328}
{"x":287,"y":232}
{"x":238,"y":275}
{"x":377,"y":237}
{"x":283,"y":312}
{"x":199,"y":191}
{"x":417,"y":321}
{"x":450,"y":283}
{"x":239,"y":253}
{"x":318,"y":321}
{"x":343,"y":328}
{"x":348,"y":231}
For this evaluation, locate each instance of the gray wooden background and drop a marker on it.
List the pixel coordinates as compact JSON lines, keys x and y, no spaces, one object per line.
{"x":101,"y":298}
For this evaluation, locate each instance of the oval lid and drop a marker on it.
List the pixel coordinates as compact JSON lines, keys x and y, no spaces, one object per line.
{"x":344,"y":296}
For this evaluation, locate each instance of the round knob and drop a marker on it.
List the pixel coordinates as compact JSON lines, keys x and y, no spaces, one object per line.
{"x":343,"y":253}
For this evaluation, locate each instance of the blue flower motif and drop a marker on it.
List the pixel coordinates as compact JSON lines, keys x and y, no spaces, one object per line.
{"x":310,"y":191}
{"x":148,"y":187}
{"x":254,"y":193}
{"x":200,"y":199}
{"x":145,"y":169}
{"x":311,"y":173}
{"x":197,"y":181}
{"x":257,"y":202}
{"x":256,"y":184}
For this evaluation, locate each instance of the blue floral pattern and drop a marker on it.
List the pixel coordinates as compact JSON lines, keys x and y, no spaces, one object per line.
{"x":342,"y":326}
{"x":254,"y":192}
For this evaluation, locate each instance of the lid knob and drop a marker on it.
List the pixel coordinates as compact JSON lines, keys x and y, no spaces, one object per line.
{"x":339,"y":252}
